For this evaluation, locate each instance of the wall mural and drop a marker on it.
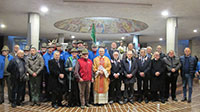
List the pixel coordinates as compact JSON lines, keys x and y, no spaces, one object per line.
{"x":104,"y":25}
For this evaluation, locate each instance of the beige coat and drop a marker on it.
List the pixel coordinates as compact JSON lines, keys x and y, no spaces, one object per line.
{"x":34,"y":66}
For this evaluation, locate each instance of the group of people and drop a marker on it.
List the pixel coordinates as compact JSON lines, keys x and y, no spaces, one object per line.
{"x":83,"y":77}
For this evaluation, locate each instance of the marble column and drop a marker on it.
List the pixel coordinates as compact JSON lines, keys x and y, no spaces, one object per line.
{"x":33,"y":29}
{"x":172,"y":35}
{"x":136,"y":42}
{"x":61,"y":38}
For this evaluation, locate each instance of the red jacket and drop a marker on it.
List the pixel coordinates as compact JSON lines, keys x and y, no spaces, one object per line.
{"x":85,"y":70}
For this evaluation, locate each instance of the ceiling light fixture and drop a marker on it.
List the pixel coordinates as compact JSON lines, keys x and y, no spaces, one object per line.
{"x":161,"y":39}
{"x":195,"y":31}
{"x":165,"y":13}
{"x":72,"y":36}
{"x":2,"y":25}
{"x":44,"y":9}
{"x":123,"y":38}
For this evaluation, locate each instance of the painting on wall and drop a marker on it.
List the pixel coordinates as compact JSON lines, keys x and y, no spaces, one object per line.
{"x":104,"y":25}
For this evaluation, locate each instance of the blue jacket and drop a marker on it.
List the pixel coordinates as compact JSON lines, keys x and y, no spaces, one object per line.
{"x":198,"y":66}
{"x":46,"y":58}
{"x":67,"y":55}
{"x":192,"y":65}
{"x":2,"y":64}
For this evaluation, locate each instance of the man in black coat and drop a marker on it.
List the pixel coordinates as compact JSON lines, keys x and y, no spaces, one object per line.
{"x":173,"y":65}
{"x":18,"y":71}
{"x":143,"y":75}
{"x":158,"y":77}
{"x":115,"y":79}
{"x":57,"y":74}
{"x":130,"y":67}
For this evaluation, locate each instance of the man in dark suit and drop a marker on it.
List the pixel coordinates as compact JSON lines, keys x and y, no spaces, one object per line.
{"x":57,"y":74}
{"x":157,"y":77}
{"x":144,"y":66}
{"x":130,"y":67}
{"x":115,"y":79}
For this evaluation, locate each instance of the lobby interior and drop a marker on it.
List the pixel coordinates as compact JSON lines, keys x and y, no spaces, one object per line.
{"x":173,"y":24}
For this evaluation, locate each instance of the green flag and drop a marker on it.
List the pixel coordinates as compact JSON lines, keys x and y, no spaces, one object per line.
{"x":93,"y":33}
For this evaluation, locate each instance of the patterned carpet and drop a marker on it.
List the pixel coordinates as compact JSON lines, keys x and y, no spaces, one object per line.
{"x":170,"y":106}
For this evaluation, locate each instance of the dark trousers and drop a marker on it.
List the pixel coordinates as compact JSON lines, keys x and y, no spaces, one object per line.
{"x":115,"y":90}
{"x":158,"y":94}
{"x":171,"y":80}
{"x":24,"y":91}
{"x":128,"y":93}
{"x":74,"y":98}
{"x":35,"y":88}
{"x":84,"y":88}
{"x":91,"y":100}
{"x":56,"y":97}
{"x":142,"y":82}
{"x":17,"y":90}
{"x":45,"y":87}
{"x":44,"y":84}
{"x":2,"y":85}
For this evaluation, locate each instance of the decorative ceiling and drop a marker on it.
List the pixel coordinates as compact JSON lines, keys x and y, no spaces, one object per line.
{"x":104,"y":25}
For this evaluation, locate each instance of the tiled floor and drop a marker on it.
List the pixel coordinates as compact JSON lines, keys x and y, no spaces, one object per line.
{"x":170,"y":106}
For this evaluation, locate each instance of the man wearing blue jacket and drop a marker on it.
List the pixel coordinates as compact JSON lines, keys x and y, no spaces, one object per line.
{"x":5,"y":58}
{"x":47,"y":56}
{"x":188,"y":63}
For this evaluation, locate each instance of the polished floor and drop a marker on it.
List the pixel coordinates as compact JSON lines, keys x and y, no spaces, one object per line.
{"x":170,"y":106}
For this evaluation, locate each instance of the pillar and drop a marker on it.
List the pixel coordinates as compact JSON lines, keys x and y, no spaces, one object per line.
{"x":136,"y":42}
{"x":33,"y":29}
{"x":172,"y":35}
{"x":61,"y":38}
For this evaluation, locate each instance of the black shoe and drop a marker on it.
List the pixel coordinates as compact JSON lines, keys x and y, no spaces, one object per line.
{"x":146,"y":101}
{"x":184,"y":99}
{"x":162,"y":100}
{"x":1,"y":102}
{"x":131,"y":101}
{"x":153,"y":100}
{"x":121,"y":102}
{"x":111,"y":102}
{"x":174,"y":99}
{"x":18,"y":104}
{"x":38,"y":103}
{"x":189,"y":101}
{"x":139,"y":100}
{"x":55,"y":106}
{"x":13,"y":105}
{"x":60,"y":105}
{"x":166,"y":99}
{"x":125,"y":101}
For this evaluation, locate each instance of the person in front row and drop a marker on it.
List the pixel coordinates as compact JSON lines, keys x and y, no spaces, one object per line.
{"x":17,"y":69}
{"x":143,"y":75}
{"x":130,"y":67}
{"x":115,"y":79}
{"x":84,"y":74}
{"x":57,"y":74}
{"x":188,"y":68}
{"x":72,"y":84}
{"x":172,"y":65}
{"x":34,"y":65}
{"x":157,"y":78}
{"x":101,"y":68}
